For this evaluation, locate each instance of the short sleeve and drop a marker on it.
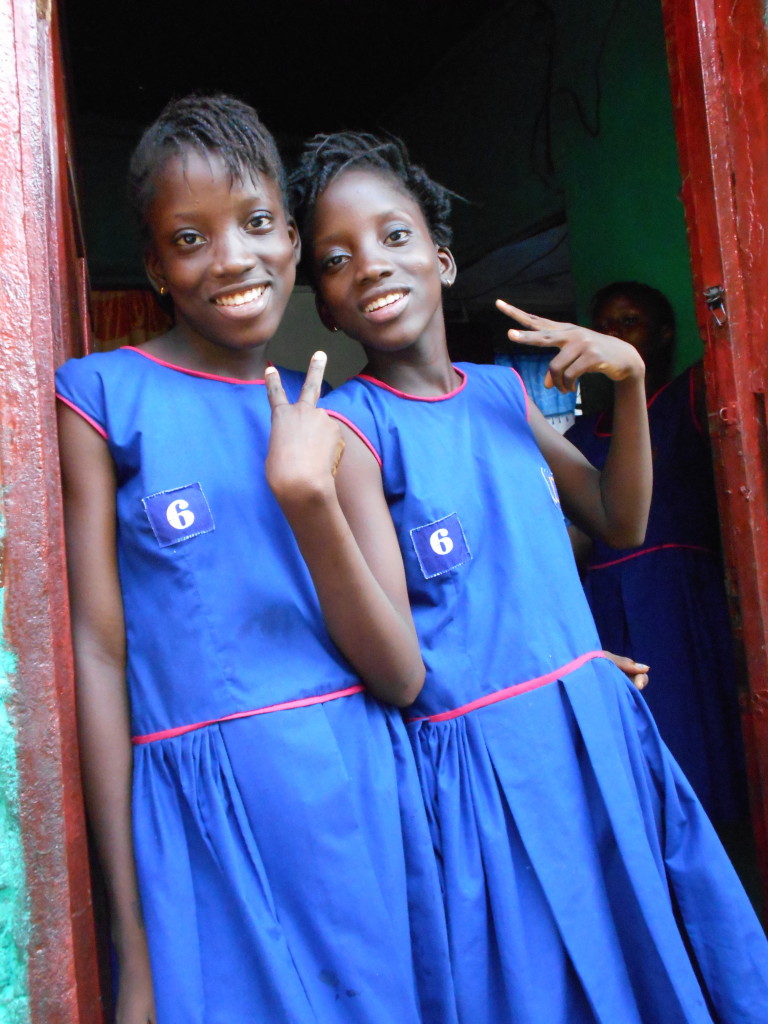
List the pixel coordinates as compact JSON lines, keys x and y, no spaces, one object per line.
{"x":79,"y":384}
{"x":349,"y":404}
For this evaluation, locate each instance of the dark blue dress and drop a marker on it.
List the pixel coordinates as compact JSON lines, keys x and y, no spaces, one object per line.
{"x":284,"y":859}
{"x":582,"y":880}
{"x":664,"y":603}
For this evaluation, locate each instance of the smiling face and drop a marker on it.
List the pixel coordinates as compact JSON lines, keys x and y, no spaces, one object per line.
{"x":379,"y":275}
{"x":224,"y":250}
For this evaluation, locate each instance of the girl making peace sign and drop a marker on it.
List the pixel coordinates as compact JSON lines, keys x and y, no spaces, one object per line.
{"x":256,"y":809}
{"x":582,"y":880}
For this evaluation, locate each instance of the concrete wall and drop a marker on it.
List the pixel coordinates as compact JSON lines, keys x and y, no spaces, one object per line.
{"x":301,"y":333}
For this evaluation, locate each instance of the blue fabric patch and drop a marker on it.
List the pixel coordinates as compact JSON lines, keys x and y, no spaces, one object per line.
{"x":178,"y":514}
{"x":440,"y":546}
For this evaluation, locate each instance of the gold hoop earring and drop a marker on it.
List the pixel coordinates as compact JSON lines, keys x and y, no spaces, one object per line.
{"x":163,"y":289}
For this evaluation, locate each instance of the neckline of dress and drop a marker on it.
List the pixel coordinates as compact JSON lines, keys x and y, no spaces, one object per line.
{"x":418,"y":398}
{"x":602,"y":430}
{"x":191,"y":373}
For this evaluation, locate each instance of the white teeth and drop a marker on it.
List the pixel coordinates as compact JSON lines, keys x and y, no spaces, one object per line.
{"x":385,"y":300}
{"x":240,"y":298}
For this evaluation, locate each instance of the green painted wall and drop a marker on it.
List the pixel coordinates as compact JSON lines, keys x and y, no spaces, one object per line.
{"x":14,"y":911}
{"x":621,"y":186}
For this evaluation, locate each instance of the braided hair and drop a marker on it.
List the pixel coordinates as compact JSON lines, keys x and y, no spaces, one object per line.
{"x":217,"y":124}
{"x":325,"y":157}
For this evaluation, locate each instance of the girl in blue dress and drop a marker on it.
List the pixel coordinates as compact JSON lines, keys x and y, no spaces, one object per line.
{"x":665,"y":600}
{"x":582,"y":880}
{"x":256,"y":810}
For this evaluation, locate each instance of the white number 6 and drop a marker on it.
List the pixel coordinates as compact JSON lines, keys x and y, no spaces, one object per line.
{"x":440,"y":542}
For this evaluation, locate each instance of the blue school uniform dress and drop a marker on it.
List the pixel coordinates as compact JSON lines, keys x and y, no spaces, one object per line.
{"x":582,"y":880}
{"x":284,"y":859}
{"x":664,"y":602}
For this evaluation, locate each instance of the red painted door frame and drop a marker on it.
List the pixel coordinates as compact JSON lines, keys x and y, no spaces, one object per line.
{"x":42,"y":320}
{"x":718,"y":59}
{"x":718,"y":56}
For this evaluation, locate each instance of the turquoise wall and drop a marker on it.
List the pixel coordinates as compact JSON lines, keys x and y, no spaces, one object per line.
{"x":622,"y":185}
{"x":14,"y":910}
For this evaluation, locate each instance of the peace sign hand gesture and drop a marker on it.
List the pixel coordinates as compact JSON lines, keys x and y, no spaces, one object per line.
{"x":305,"y":444}
{"x":581,"y":350}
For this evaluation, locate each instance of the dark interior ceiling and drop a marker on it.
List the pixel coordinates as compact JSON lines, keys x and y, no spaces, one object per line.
{"x":306,"y":66}
{"x":322,"y":66}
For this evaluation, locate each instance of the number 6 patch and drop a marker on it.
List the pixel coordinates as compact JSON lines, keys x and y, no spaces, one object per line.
{"x":178,"y":514}
{"x":440,"y":546}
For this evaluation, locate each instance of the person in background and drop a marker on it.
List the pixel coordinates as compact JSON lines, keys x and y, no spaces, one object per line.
{"x":664,"y":601}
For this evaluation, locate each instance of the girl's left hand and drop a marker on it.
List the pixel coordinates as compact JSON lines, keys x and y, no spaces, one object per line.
{"x":633,"y":670}
{"x":581,"y":349}
{"x":305,"y":444}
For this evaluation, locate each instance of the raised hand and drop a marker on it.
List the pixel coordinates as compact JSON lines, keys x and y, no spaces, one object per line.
{"x":581,"y":349}
{"x":305,"y":444}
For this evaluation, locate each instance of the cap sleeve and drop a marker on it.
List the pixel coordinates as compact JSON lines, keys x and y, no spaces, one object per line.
{"x":79,"y":384}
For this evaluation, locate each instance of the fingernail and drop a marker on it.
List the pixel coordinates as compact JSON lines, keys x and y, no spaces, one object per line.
{"x":270,"y":369}
{"x":643,"y":668}
{"x":513,"y":333}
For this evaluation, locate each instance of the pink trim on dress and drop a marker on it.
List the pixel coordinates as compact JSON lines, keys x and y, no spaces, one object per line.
{"x":355,"y":430}
{"x":648,"y":551}
{"x":192,"y":373}
{"x":649,"y":402}
{"x":511,"y":691}
{"x":96,"y":426}
{"x":304,"y":702}
{"x":525,"y":394}
{"x":598,"y":422}
{"x":417,"y":398}
{"x":656,"y":394}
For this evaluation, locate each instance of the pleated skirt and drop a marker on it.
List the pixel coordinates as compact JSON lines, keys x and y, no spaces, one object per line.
{"x":287,"y":873}
{"x":667,"y":608}
{"x":582,"y":880}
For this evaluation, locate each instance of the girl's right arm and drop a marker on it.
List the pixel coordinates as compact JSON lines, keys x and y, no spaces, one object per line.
{"x":98,"y":633}
{"x":336,"y":508}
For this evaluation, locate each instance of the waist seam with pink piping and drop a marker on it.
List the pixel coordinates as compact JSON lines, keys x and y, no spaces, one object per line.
{"x":511,"y":691}
{"x":649,"y":551}
{"x":302,"y":702}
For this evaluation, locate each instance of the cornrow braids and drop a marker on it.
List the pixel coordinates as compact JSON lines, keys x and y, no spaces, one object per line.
{"x":218,"y":124}
{"x":324,"y":157}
